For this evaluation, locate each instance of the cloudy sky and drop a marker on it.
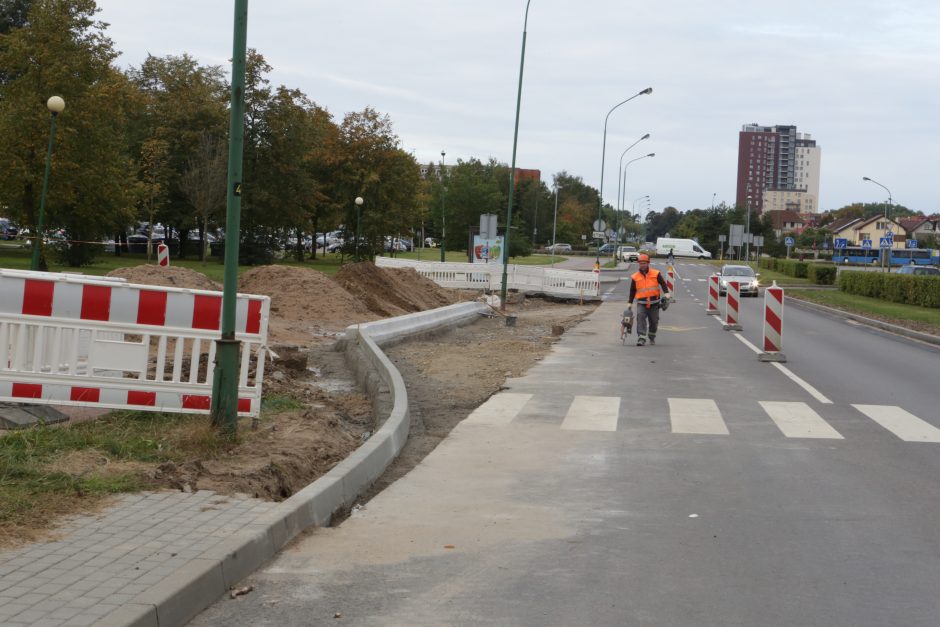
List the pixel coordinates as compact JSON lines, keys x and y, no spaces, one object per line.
{"x":861,"y":76}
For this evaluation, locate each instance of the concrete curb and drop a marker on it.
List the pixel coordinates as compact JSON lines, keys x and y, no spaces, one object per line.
{"x":201,"y":582}
{"x":878,"y":324}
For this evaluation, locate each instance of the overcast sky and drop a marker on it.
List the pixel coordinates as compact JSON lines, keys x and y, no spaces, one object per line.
{"x":861,"y":76}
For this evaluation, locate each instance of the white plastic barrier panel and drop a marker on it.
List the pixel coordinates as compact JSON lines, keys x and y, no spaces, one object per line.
{"x":72,"y":340}
{"x":773,"y":324}
{"x":551,"y":281}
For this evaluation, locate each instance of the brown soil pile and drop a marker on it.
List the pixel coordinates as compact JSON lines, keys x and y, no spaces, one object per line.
{"x":392,"y":292}
{"x":304,"y":303}
{"x":171,"y":276}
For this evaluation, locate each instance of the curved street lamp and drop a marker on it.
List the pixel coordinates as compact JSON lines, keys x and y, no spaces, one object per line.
{"x":600,"y":192}
{"x":56,"y":105}
{"x":620,"y":206}
{"x":887,"y":207}
{"x":652,"y":154}
{"x":512,"y":170}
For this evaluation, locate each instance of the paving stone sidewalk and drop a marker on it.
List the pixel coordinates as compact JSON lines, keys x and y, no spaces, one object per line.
{"x":99,"y":564}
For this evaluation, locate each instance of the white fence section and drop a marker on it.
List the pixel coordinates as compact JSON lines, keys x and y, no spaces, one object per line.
{"x":87,"y":341}
{"x":532,"y":279}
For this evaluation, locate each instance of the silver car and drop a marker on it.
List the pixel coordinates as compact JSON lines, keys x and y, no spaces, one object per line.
{"x":744,"y":276}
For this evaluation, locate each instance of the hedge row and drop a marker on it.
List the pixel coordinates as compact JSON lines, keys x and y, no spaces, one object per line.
{"x":821,"y":275}
{"x":909,"y":289}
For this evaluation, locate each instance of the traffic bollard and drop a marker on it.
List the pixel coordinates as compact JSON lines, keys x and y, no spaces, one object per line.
{"x":773,"y":324}
{"x":732,"y":302}
{"x":712,"y":307}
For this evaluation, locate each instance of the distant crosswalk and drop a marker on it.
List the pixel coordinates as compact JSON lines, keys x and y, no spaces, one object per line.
{"x":703,"y":416}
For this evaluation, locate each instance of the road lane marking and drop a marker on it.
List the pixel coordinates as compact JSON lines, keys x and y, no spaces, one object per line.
{"x":592,"y":413}
{"x":499,"y":410}
{"x":798,"y":420}
{"x":901,"y":423}
{"x":800,"y":382}
{"x":696,"y":415}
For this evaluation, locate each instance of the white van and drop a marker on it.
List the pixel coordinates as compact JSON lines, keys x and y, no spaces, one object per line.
{"x":681,"y":248}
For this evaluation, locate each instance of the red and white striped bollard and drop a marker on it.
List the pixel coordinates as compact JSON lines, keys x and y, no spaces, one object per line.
{"x":732,"y":303}
{"x":163,"y":255}
{"x":712,"y":307}
{"x":773,"y":324}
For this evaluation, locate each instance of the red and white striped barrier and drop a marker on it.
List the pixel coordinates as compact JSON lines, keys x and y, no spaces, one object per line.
{"x":773,"y":324}
{"x":671,"y":280}
{"x":163,"y":255}
{"x":732,"y":304}
{"x":712,"y":306}
{"x":70,"y":340}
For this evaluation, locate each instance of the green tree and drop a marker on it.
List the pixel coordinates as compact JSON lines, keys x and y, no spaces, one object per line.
{"x":61,"y":49}
{"x":180,"y":101}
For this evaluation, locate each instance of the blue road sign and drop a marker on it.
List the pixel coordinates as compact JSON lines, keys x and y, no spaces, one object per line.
{"x":885,"y":242}
{"x":840,"y":242}
{"x":866,"y":243}
{"x":789,"y":241}
{"x":911,"y":243}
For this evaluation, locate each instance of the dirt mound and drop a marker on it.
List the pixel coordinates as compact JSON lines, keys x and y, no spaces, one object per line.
{"x":304,"y":303}
{"x":392,"y":292}
{"x":171,"y":276}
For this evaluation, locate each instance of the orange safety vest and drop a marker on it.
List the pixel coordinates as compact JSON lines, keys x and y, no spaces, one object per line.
{"x":647,"y":287}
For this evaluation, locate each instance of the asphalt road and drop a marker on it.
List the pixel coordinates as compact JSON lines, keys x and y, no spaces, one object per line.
{"x":685,"y":483}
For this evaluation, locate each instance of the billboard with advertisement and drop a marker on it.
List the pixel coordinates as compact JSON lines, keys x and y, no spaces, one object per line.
{"x":487,"y":250}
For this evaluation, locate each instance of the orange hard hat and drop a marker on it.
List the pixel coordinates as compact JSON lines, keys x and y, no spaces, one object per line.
{"x":644,"y":257}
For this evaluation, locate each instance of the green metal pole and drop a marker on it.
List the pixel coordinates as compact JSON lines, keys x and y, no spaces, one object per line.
{"x":358,"y":222}
{"x":512,"y":171}
{"x":443,"y":197}
{"x":37,"y":262}
{"x":225,"y":379}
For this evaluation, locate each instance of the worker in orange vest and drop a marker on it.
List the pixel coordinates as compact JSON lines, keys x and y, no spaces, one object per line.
{"x":648,"y":288}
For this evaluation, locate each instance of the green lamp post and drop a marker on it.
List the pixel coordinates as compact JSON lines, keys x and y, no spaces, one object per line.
{"x":56,"y":105}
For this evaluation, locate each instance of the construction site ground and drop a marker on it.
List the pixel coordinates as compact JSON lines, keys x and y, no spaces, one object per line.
{"x":313,"y":415}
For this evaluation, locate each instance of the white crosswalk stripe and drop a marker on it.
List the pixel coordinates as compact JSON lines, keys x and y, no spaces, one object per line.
{"x":696,"y":415}
{"x":702,"y":416}
{"x":499,"y":410}
{"x":592,"y":413}
{"x":901,"y":423}
{"x":798,"y":420}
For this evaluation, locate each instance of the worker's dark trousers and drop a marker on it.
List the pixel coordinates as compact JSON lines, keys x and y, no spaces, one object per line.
{"x":647,"y":321}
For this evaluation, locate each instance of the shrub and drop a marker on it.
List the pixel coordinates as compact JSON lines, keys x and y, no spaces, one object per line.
{"x":923,"y":291}
{"x":822,"y":275}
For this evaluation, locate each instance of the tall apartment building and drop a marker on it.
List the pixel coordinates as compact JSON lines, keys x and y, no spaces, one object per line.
{"x":778,"y":168}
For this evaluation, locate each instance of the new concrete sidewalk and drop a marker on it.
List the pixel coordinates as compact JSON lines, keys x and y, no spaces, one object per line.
{"x":159,"y":558}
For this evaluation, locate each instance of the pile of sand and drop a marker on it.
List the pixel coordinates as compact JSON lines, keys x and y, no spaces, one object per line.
{"x":392,"y":292}
{"x":170,"y":276}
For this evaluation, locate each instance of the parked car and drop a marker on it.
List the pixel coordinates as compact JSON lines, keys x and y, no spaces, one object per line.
{"x":430,"y":242}
{"x":8,"y":230}
{"x":607,"y":249}
{"x":558,"y":248}
{"x":921,"y":270}
{"x":744,"y":276}
{"x":628,"y":253}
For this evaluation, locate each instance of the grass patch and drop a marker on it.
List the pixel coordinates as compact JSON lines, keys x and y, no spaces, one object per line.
{"x":48,"y":470}
{"x":865,"y":305}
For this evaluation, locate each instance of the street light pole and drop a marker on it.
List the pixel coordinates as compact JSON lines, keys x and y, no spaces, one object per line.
{"x":555,"y":222}
{"x":512,"y":169}
{"x":747,"y":233}
{"x":56,"y":106}
{"x":713,"y":200}
{"x":443,"y":196}
{"x":225,"y":378}
{"x":620,"y":168}
{"x":865,"y":178}
{"x":358,"y":202}
{"x":600,"y":192}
